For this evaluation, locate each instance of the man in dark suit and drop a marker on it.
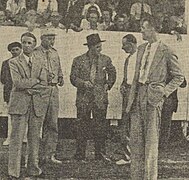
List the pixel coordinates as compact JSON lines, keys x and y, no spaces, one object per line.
{"x":28,"y":105}
{"x":93,"y":75}
{"x":15,"y":49}
{"x":154,"y":62}
{"x":170,"y":106}
{"x":71,"y":11}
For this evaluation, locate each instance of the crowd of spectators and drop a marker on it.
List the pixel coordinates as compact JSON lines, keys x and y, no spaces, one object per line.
{"x":102,"y":15}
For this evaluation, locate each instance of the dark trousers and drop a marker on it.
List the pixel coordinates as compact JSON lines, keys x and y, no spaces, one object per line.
{"x":97,"y":127}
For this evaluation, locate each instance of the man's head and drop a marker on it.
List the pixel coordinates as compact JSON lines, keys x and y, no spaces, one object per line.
{"x":129,"y":44}
{"x":55,"y":18}
{"x":47,"y":38}
{"x":148,"y":29}
{"x":15,"y":48}
{"x":28,"y":41}
{"x":107,"y":15}
{"x":119,"y":22}
{"x":94,"y":44}
{"x":31,"y":16}
{"x":93,"y":17}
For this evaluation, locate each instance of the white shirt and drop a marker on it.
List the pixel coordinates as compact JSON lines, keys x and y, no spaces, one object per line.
{"x":136,"y":10}
{"x":42,"y":6}
{"x":27,"y":58}
{"x":153,"y":49}
{"x":131,"y":68}
{"x":87,"y":6}
{"x":15,"y":8}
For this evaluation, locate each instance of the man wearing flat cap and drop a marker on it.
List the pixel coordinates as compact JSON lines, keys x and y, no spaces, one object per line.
{"x":15,"y":48}
{"x":55,"y":78}
{"x":93,"y":75}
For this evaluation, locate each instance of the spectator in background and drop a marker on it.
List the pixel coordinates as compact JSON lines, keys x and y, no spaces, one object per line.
{"x":2,"y":18}
{"x":91,"y":22}
{"x":106,"y":20}
{"x":164,"y":6}
{"x":71,"y":11}
{"x":31,"y":20}
{"x":139,"y":10}
{"x":15,"y":48}
{"x":121,"y":23}
{"x":124,"y":7}
{"x":47,"y":5}
{"x":14,"y":8}
{"x":86,"y":7}
{"x":55,"y":21}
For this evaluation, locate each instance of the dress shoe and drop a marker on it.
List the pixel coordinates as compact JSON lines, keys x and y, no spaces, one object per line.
{"x":102,"y":157}
{"x":6,"y":142}
{"x":80,"y":158}
{"x":54,"y":160}
{"x":123,"y":162}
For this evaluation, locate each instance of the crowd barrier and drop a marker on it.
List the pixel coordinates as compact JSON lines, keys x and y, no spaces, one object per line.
{"x":70,"y":44}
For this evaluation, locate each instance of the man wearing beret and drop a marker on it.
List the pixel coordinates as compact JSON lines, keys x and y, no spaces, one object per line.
{"x":55,"y":78}
{"x":93,"y":75}
{"x":15,"y":48}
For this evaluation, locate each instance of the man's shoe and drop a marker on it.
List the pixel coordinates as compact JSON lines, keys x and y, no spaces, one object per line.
{"x":123,"y":162}
{"x":80,"y":158}
{"x":54,"y":160}
{"x":102,"y":157}
{"x":6,"y":142}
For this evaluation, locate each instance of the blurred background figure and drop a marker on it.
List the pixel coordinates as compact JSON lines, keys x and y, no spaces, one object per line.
{"x":55,"y":21}
{"x":31,"y":20}
{"x":91,"y":22}
{"x":47,"y":5}
{"x":106,"y":20}
{"x":15,"y":49}
{"x":14,"y":8}
{"x":88,"y":5}
{"x":139,"y":10}
{"x":71,"y":11}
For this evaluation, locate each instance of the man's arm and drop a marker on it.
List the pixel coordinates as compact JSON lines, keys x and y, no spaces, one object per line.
{"x":175,"y":71}
{"x":18,"y":81}
{"x":74,"y":76}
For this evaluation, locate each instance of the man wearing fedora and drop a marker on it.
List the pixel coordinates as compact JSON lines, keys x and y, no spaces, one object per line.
{"x":55,"y":78}
{"x":93,"y":74}
{"x":154,"y":62}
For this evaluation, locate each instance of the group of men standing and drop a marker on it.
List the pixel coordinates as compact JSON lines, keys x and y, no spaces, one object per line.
{"x":34,"y":98}
{"x":34,"y":102}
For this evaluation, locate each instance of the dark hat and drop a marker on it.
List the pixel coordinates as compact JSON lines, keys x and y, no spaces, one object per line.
{"x":14,"y":44}
{"x":93,"y":39}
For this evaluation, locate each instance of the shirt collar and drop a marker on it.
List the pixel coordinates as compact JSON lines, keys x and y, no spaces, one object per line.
{"x":27,"y":58}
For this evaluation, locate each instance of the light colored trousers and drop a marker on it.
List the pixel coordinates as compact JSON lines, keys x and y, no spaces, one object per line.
{"x":144,"y":137}
{"x":19,"y":124}
{"x":50,"y":126}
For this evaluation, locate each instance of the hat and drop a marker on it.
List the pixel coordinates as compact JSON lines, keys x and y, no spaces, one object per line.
{"x":48,"y":32}
{"x":56,"y":14}
{"x":93,"y":39}
{"x":14,"y":44}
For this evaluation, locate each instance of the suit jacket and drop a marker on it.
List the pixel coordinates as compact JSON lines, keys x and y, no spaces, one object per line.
{"x":6,"y":80}
{"x":26,"y":87}
{"x":74,"y":15}
{"x":164,"y":63}
{"x":80,"y":72}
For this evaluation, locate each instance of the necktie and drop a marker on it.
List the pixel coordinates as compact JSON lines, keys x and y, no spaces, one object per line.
{"x":146,"y":63}
{"x":30,"y":63}
{"x":126,"y":68}
{"x":142,"y":10}
{"x":93,"y":71}
{"x":49,"y":6}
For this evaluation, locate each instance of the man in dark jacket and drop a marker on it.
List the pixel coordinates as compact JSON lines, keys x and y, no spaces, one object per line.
{"x":15,"y":49}
{"x":93,"y":75}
